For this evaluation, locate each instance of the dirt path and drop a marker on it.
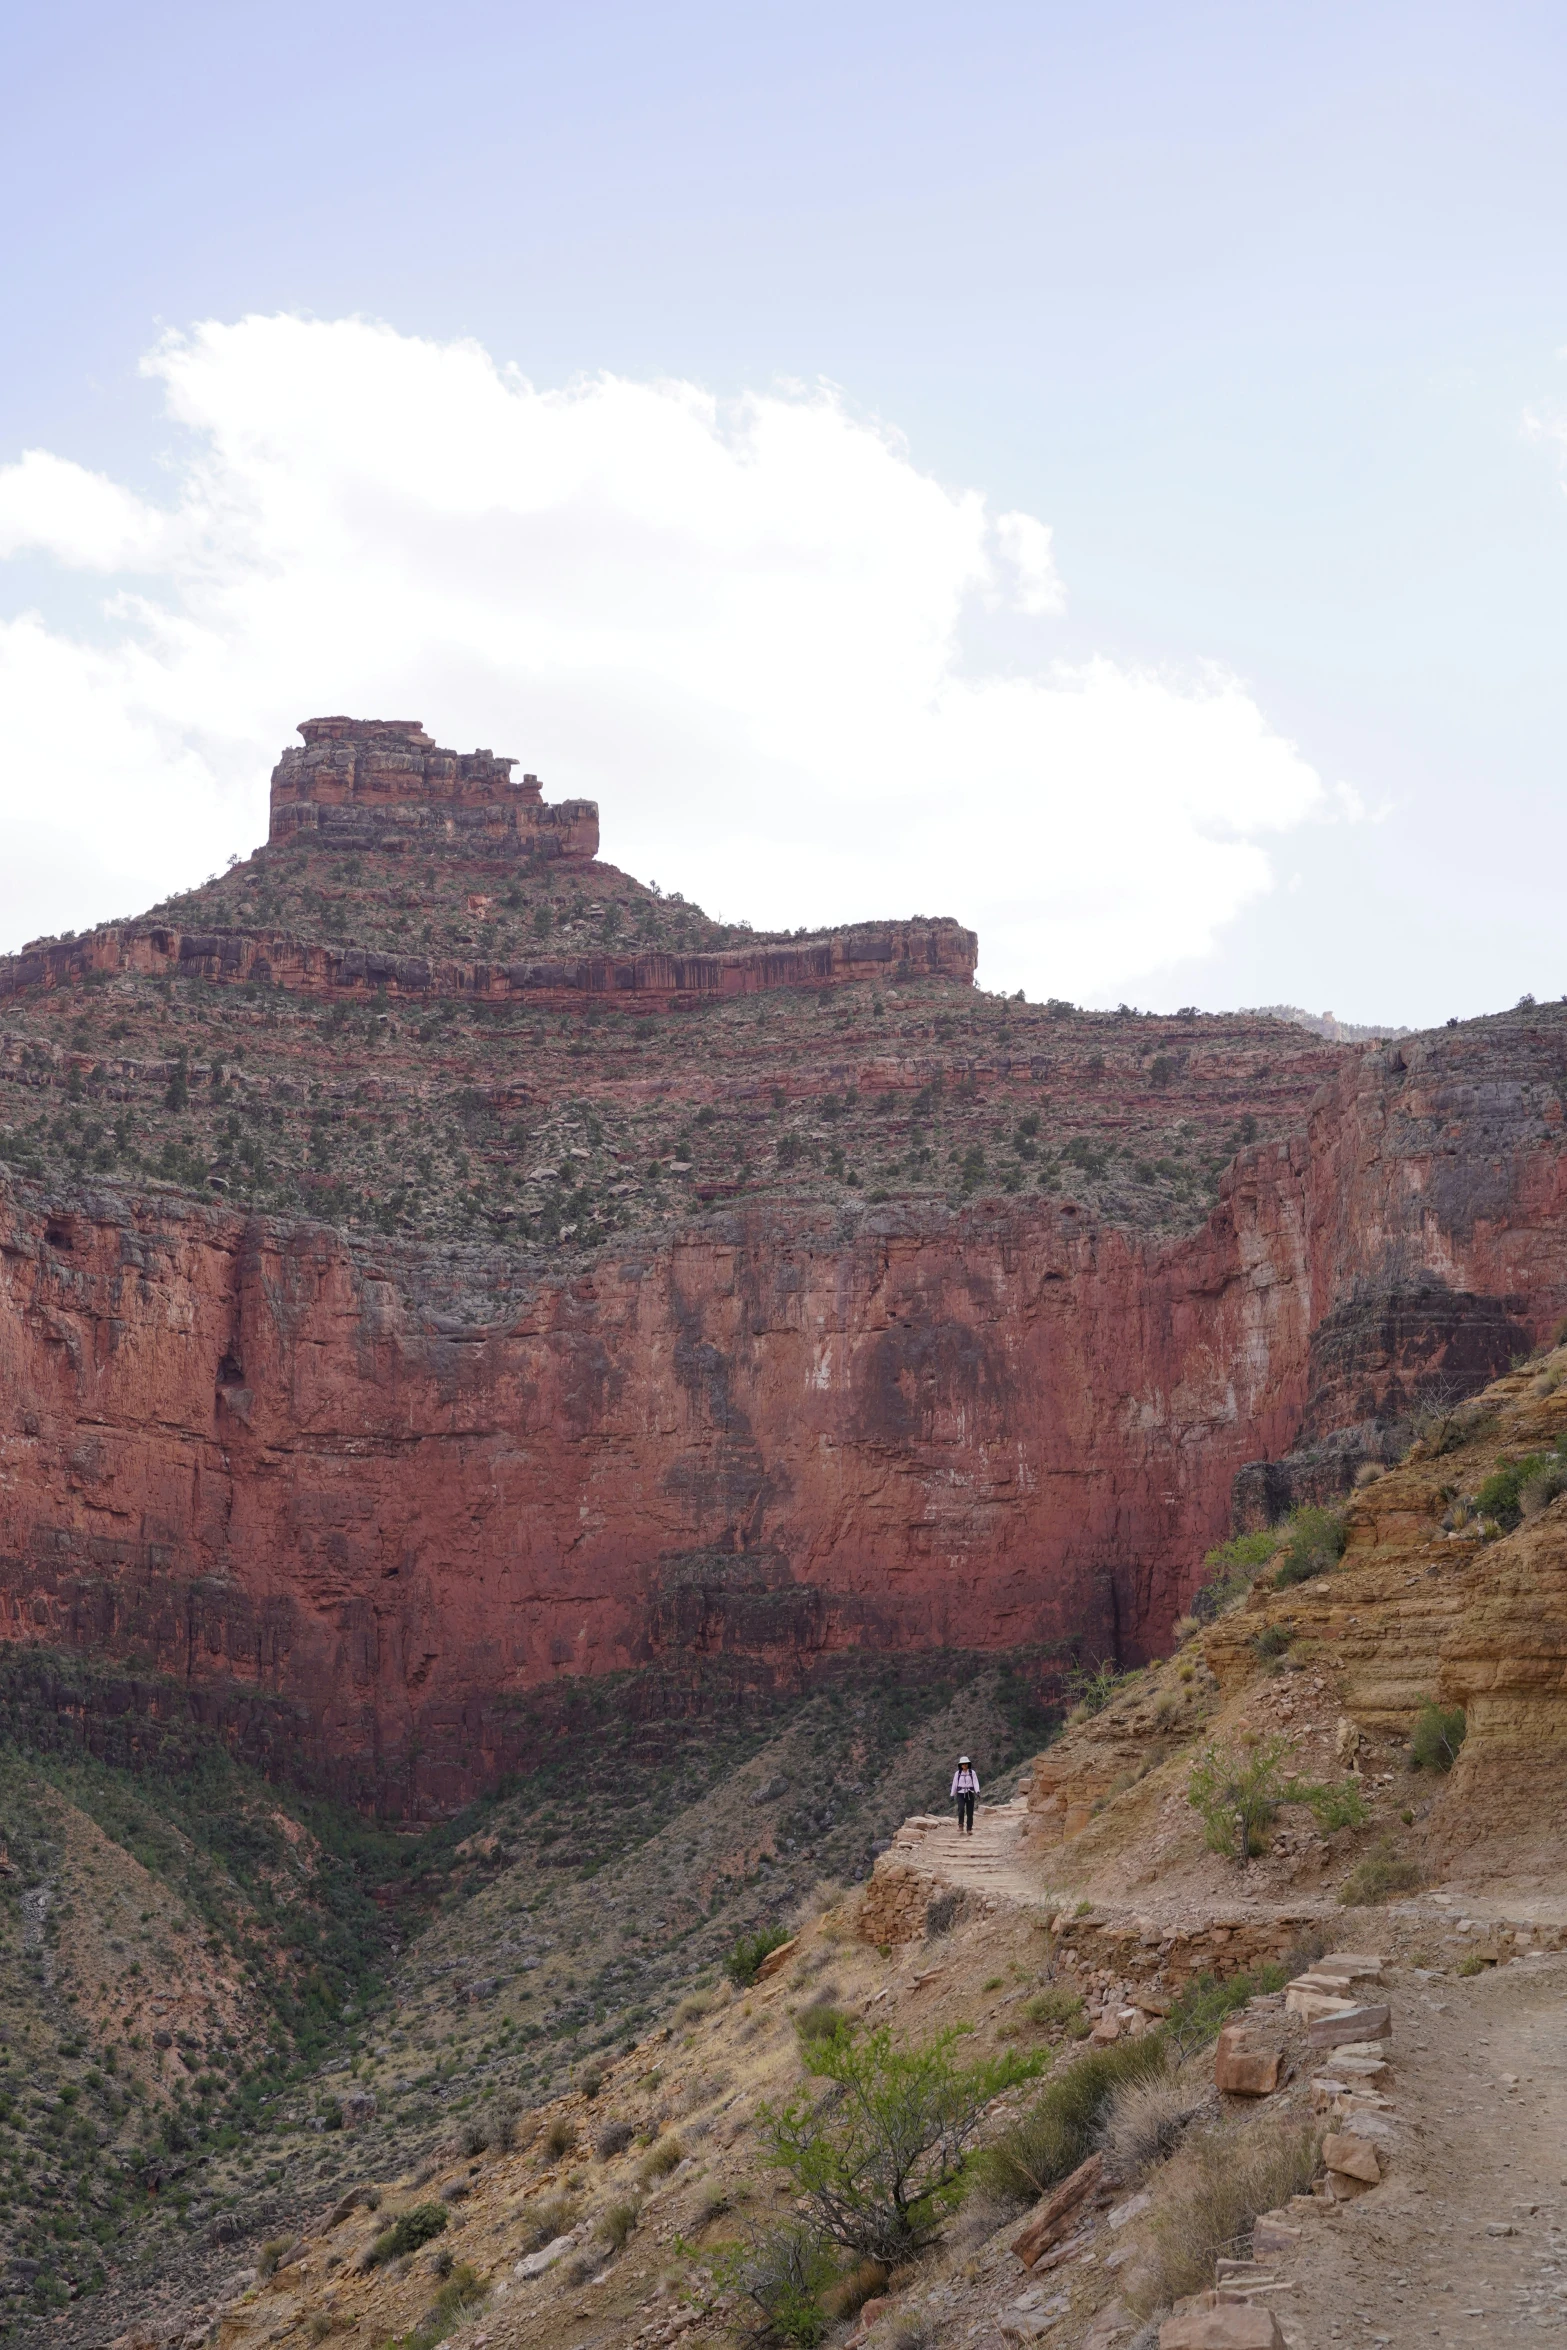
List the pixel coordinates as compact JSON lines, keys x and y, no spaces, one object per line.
{"x":1466,"y":2242}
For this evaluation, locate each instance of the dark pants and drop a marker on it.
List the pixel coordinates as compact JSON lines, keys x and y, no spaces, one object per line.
{"x":965,"y":1815}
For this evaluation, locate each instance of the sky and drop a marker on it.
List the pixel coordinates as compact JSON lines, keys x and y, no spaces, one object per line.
{"x":1098,"y":473}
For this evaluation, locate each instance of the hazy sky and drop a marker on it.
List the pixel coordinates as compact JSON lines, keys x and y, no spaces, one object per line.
{"x":1095,"y":472}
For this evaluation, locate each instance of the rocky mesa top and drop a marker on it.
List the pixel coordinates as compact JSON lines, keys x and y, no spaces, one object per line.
{"x":384,"y":783}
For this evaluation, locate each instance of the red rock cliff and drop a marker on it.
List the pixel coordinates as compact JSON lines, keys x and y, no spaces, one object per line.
{"x":398,"y":1489}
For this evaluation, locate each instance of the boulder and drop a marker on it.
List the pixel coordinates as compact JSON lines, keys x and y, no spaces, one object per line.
{"x":1274,"y":2231}
{"x":1354,"y":2023}
{"x":1353,"y":2157}
{"x":1309,"y":1999}
{"x":1241,"y":2069}
{"x":775,"y":1961}
{"x":535,"y":2263}
{"x":1113,"y":2320}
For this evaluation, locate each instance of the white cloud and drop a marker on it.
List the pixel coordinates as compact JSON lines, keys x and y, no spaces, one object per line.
{"x":737,"y":627}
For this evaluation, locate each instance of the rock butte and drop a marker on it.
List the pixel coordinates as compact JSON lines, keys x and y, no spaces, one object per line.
{"x":290,"y":1466}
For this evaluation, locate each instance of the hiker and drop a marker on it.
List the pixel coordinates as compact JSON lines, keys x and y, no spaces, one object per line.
{"x":965,"y":1786}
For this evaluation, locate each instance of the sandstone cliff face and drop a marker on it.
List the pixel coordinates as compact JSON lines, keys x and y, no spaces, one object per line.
{"x":395,"y":1490}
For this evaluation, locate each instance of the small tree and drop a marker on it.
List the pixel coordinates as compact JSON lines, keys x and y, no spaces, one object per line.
{"x":1437,"y":1735}
{"x":880,"y":2158}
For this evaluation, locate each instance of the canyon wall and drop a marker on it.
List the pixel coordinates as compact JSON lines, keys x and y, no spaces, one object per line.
{"x":398,"y":1488}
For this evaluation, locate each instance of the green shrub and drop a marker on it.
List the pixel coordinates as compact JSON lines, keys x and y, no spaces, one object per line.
{"x":1231,"y":1569}
{"x":416,"y":2227}
{"x":1314,"y":1542}
{"x":784,"y":2274}
{"x":1438,"y":1734}
{"x":1057,"y":2132}
{"x":1092,"y":1690}
{"x":820,"y":2020}
{"x":748,"y":1953}
{"x":1237,"y":1792}
{"x":1341,"y":1805}
{"x":880,"y":2157}
{"x":1273,"y":1640}
{"x":1501,"y":1494}
{"x":462,"y":2291}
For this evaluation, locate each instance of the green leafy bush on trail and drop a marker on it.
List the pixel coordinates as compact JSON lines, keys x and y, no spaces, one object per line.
{"x":748,"y":1953}
{"x":1057,"y":2132}
{"x":880,"y":2158}
{"x":1438,"y":1734}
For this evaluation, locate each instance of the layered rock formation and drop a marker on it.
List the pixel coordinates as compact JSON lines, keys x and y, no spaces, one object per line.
{"x":394,"y":1489}
{"x":383,"y":784}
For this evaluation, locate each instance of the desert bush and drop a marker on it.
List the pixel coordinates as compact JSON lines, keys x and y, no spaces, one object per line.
{"x":748,"y":1953}
{"x":820,"y":2020}
{"x":1438,"y":1734}
{"x":557,"y":2216}
{"x":558,"y":2140}
{"x":1093,"y":1688}
{"x":613,"y":2139}
{"x":1314,"y":1541}
{"x":1339,"y":1804}
{"x":1377,"y":1876}
{"x":849,"y":2295}
{"x":1208,"y":2195}
{"x":591,"y":2082}
{"x":475,"y":2136}
{"x":1474,"y":1962}
{"x":1057,"y":2132}
{"x":1056,"y":2004}
{"x":1145,"y":2120}
{"x":1536,"y":1493}
{"x":784,"y":2273}
{"x":416,"y":2227}
{"x":462,"y":2292}
{"x":271,"y":2253}
{"x":616,"y":2224}
{"x":1236,"y":1793}
{"x":880,"y":2157}
{"x":694,"y":2006}
{"x":941,"y":1912}
{"x":1441,"y":1426}
{"x":1231,"y":1569}
{"x":660,"y":2160}
{"x":500,"y":2134}
{"x":1274,"y":1639}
